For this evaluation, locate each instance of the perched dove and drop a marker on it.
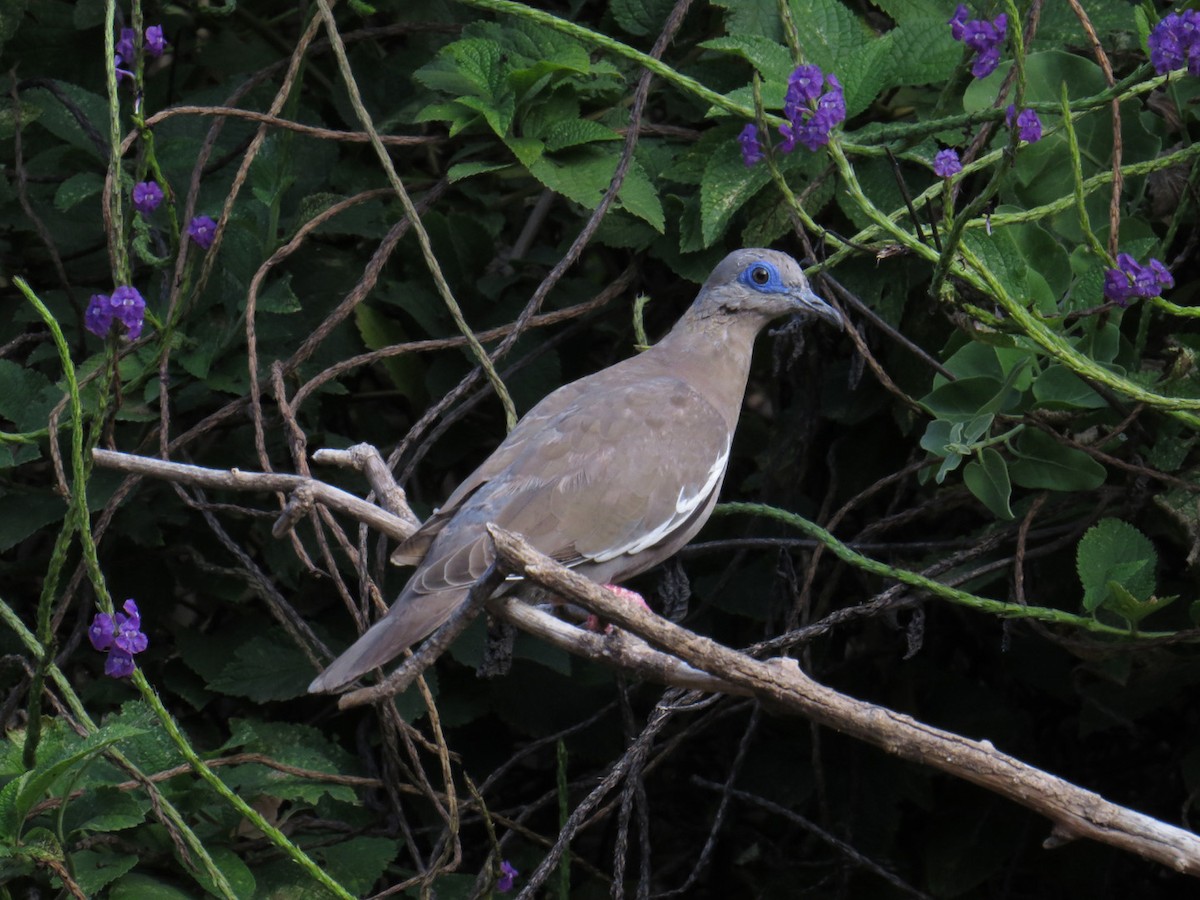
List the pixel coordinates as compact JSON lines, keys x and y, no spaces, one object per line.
{"x":610,"y":474}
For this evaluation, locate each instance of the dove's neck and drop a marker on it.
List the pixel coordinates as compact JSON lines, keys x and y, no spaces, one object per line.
{"x":716,"y":352}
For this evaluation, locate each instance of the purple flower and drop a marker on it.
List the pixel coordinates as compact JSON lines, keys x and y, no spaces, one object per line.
{"x":508,"y":874}
{"x":203,"y":231}
{"x":1129,"y":280}
{"x":129,"y":309}
{"x":121,"y":73}
{"x":1029,"y":126}
{"x":811,"y":115}
{"x":946,"y":163}
{"x":752,"y":151}
{"x":804,"y":86}
{"x":155,"y":42}
{"x":125,"y":45}
{"x":98,"y":317}
{"x":1175,"y":41}
{"x":982,"y":37}
{"x":146,"y":197}
{"x":958,"y":22}
{"x":119,"y":635}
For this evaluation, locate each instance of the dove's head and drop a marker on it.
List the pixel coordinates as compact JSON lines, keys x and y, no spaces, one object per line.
{"x":766,"y":284}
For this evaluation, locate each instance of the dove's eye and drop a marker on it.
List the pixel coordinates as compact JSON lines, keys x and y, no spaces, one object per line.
{"x":760,"y":275}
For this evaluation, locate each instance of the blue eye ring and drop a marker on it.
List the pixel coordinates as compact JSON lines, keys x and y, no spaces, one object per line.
{"x":762,"y":276}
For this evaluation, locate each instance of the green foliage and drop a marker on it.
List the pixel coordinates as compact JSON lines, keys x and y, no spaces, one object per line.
{"x":1117,"y":565}
{"x":990,"y":458}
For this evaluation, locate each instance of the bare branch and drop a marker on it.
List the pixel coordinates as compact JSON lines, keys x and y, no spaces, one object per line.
{"x":236,"y":480}
{"x":1075,"y":812}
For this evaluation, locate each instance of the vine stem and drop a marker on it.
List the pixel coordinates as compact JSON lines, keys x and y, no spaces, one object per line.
{"x":915,"y":579}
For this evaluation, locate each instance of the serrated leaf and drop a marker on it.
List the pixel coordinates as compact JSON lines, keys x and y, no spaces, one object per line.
{"x":1114,"y":550}
{"x":867,"y":71}
{"x":236,"y":872}
{"x":103,"y":809}
{"x":459,"y":171}
{"x":92,"y":870}
{"x":76,"y":189}
{"x":1045,"y":464}
{"x":59,"y":121}
{"x":357,"y":863}
{"x":987,"y":479}
{"x":925,"y":50}
{"x":19,"y":795}
{"x":565,"y":133}
{"x":641,"y":17}
{"x":773,"y":60}
{"x":639,"y":197}
{"x":264,"y":669}
{"x":752,"y":17}
{"x":830,"y":33}
{"x":300,"y":746}
{"x":584,"y":175}
{"x":1000,"y":253}
{"x":279,"y":297}
{"x":728,"y":184}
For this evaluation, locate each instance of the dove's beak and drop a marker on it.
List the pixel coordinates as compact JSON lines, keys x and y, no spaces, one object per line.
{"x":811,"y":306}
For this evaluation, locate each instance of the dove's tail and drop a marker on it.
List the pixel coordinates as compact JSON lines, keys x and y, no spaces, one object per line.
{"x":409,"y":620}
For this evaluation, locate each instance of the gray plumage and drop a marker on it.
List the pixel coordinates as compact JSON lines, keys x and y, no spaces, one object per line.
{"x":610,"y":474}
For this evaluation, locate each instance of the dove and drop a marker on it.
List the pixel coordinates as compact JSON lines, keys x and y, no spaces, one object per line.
{"x":609,"y":475}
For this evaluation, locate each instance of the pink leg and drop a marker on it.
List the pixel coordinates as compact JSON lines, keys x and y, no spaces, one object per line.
{"x":593,"y":621}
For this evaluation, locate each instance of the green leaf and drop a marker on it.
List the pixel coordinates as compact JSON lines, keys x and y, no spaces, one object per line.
{"x":987,"y":479}
{"x":903,"y":11}
{"x":639,"y":197}
{"x":263,"y":669}
{"x":301,"y":746}
{"x":1000,"y":253}
{"x":1114,"y":550}
{"x":1129,"y":607}
{"x":725,"y":188}
{"x":585,"y":173}
{"x":772,"y":59}
{"x":867,"y":71}
{"x":104,"y":808}
{"x":937,"y":436}
{"x":924,"y":50}
{"x":76,"y":189}
{"x":26,"y":396}
{"x":11,"y":13}
{"x":564,"y":133}
{"x":20,"y":794}
{"x":752,"y":17}
{"x":279,"y":297}
{"x":22,"y":512}
{"x":136,"y":886}
{"x":966,"y":398}
{"x":830,"y":34}
{"x":357,"y":863}
{"x":1060,"y":388}
{"x":459,"y":171}
{"x":1045,"y":464}
{"x":236,"y":873}
{"x":641,"y":17}
{"x":94,"y":869}
{"x":60,"y":122}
